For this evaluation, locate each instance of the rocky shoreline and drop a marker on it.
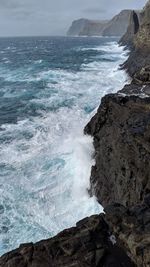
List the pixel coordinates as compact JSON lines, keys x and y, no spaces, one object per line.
{"x":120,"y":178}
{"x":121,"y":131}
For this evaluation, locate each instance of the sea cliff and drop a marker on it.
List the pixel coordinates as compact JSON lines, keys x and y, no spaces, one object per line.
{"x":120,"y":179}
{"x":121,"y":132}
{"x":139,"y":57}
{"x":117,"y":26}
{"x":133,"y":27}
{"x":86,"y":27}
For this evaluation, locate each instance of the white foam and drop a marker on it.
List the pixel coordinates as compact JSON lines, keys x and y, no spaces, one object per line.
{"x":47,"y":176}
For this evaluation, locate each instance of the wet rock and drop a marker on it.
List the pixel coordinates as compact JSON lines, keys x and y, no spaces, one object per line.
{"x":142,"y":76}
{"x":147,"y":200}
{"x":87,"y":244}
{"x":120,"y":179}
{"x":135,"y":88}
{"x":131,"y":230}
{"x":121,"y":131}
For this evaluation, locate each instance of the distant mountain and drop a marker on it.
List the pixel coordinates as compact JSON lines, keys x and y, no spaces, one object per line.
{"x":117,"y":26}
{"x":86,"y":27}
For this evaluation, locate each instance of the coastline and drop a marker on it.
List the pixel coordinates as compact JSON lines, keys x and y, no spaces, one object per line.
{"x":121,"y":182}
{"x":47,"y":219}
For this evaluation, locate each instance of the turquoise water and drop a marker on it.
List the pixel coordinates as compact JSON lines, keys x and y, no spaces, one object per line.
{"x":49,"y":89}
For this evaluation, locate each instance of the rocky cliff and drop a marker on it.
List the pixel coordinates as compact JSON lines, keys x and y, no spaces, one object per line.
{"x":120,"y":180}
{"x":85,"y":27}
{"x":142,"y":40}
{"x":133,"y":27}
{"x":140,"y":55}
{"x":121,"y":131}
{"x":117,"y":26}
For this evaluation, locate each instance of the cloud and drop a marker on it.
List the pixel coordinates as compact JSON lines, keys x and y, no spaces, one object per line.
{"x":45,"y":17}
{"x":22,"y":14}
{"x":10,"y":4}
{"x":94,"y":10}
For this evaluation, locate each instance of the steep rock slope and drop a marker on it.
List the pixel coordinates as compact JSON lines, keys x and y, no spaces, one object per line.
{"x":142,"y":40}
{"x":131,"y":226}
{"x":86,"y":27}
{"x":140,"y":55}
{"x":133,"y":27}
{"x":121,"y":131}
{"x":117,"y":26}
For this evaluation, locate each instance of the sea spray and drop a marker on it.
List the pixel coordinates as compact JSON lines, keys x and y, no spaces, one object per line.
{"x":48,"y":92}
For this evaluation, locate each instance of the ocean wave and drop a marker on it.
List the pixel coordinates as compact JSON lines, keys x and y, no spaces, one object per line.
{"x":45,"y":158}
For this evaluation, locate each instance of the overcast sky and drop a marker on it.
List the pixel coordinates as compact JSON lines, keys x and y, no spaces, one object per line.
{"x":53,"y":17}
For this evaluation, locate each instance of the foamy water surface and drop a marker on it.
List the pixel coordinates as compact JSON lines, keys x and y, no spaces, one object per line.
{"x":49,"y":89}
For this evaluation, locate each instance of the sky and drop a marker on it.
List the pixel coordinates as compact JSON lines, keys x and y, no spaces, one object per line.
{"x":53,"y":17}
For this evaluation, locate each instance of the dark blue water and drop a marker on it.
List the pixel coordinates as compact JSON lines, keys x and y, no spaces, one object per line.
{"x":49,"y":89}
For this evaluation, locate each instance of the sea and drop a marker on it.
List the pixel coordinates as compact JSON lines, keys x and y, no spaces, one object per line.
{"x":50,"y":87}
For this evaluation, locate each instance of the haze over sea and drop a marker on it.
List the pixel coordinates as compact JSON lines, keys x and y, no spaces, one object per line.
{"x":50,"y":87}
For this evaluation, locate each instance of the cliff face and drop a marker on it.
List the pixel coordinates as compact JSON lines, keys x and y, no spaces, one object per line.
{"x":117,"y":26}
{"x":140,"y":56}
{"x":86,"y":27}
{"x":93,"y":28}
{"x":133,"y":27}
{"x":121,"y":131}
{"x":142,"y":39}
{"x":77,"y":26}
{"x":131,"y":226}
{"x":120,"y":180}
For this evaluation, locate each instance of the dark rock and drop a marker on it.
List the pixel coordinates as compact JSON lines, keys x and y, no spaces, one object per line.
{"x":136,"y":88}
{"x":85,"y":245}
{"x":142,"y":76}
{"x":131,"y":230}
{"x":147,"y":200}
{"x":116,"y":253}
{"x":120,"y":179}
{"x":121,"y":131}
{"x":134,"y":24}
{"x":140,"y":54}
